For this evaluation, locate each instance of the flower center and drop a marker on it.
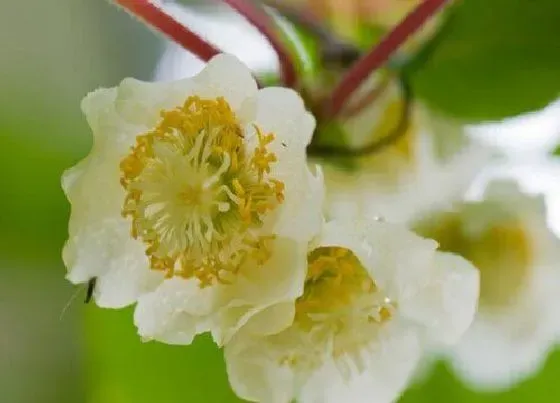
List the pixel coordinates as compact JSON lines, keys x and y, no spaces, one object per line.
{"x":338,"y":289}
{"x":197,"y":194}
{"x":502,"y":253}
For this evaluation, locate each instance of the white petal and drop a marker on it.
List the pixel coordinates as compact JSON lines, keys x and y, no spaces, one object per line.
{"x":125,"y":281}
{"x":402,"y":261}
{"x":99,"y":238}
{"x":509,"y":342}
{"x":503,"y":347}
{"x":258,"y":288}
{"x":281,"y":111}
{"x":104,"y":249}
{"x":271,"y":320}
{"x":398,"y":260}
{"x":347,"y":235}
{"x":494,"y":355}
{"x":174,"y":312}
{"x":300,"y":215}
{"x":140,"y":102}
{"x":121,"y":275}
{"x":226,"y":76}
{"x":436,"y":186}
{"x":113,"y":133}
{"x":254,"y":376}
{"x":120,"y":114}
{"x":389,"y":365}
{"x":446,"y":307}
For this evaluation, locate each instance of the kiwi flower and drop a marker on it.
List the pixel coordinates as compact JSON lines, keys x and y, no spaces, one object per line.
{"x":375,"y":296}
{"x":506,"y":236}
{"x":195,"y":201}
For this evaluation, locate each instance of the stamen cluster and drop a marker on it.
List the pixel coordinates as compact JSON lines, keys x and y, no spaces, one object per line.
{"x":197,"y":195}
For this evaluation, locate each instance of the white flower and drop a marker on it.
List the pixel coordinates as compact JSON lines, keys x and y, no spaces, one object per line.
{"x":506,"y":237}
{"x":430,"y":166}
{"x":375,"y":294}
{"x":195,"y":200}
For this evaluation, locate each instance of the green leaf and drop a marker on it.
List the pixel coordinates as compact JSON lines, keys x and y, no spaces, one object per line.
{"x":122,"y":369}
{"x":492,"y":59}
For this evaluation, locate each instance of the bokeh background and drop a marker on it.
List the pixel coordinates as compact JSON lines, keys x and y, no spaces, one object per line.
{"x":53,"y":53}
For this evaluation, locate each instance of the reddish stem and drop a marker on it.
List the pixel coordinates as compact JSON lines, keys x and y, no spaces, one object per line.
{"x":364,"y":67}
{"x":260,"y":20}
{"x":154,"y":16}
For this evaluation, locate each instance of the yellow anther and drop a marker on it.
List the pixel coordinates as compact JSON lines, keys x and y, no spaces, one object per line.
{"x":264,"y":139}
{"x":245,"y":209}
{"x":234,"y":161}
{"x":200,"y":137}
{"x":385,"y":313}
{"x":335,"y":278}
{"x":171,"y":119}
{"x":264,"y":206}
{"x":239,"y":191}
{"x":261,"y":161}
{"x":279,"y":188}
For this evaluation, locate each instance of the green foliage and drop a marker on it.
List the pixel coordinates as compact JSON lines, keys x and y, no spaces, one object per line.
{"x":122,"y":369}
{"x":443,"y":386}
{"x":492,"y":59}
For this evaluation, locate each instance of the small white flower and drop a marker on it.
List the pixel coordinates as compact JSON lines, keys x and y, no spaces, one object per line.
{"x":375,"y":294}
{"x":428,"y":167}
{"x":195,"y":199}
{"x":506,"y":237}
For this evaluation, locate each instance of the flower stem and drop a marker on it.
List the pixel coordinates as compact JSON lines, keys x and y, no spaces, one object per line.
{"x":364,"y":67}
{"x":154,"y":16}
{"x":260,"y":20}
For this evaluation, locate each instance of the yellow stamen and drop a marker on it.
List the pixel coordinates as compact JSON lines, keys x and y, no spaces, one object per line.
{"x":335,"y":280}
{"x":502,"y":252}
{"x":195,"y":196}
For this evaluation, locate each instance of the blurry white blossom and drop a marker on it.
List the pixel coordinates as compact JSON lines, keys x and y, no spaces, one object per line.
{"x":375,"y":295}
{"x":429,"y":166}
{"x":506,"y":237}
{"x":195,"y":200}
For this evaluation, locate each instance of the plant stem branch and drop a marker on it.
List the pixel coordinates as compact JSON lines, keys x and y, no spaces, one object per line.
{"x":260,"y":20}
{"x":154,"y":16}
{"x":364,"y":67}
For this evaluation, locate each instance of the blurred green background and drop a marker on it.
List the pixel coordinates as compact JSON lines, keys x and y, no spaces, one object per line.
{"x":53,"y":53}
